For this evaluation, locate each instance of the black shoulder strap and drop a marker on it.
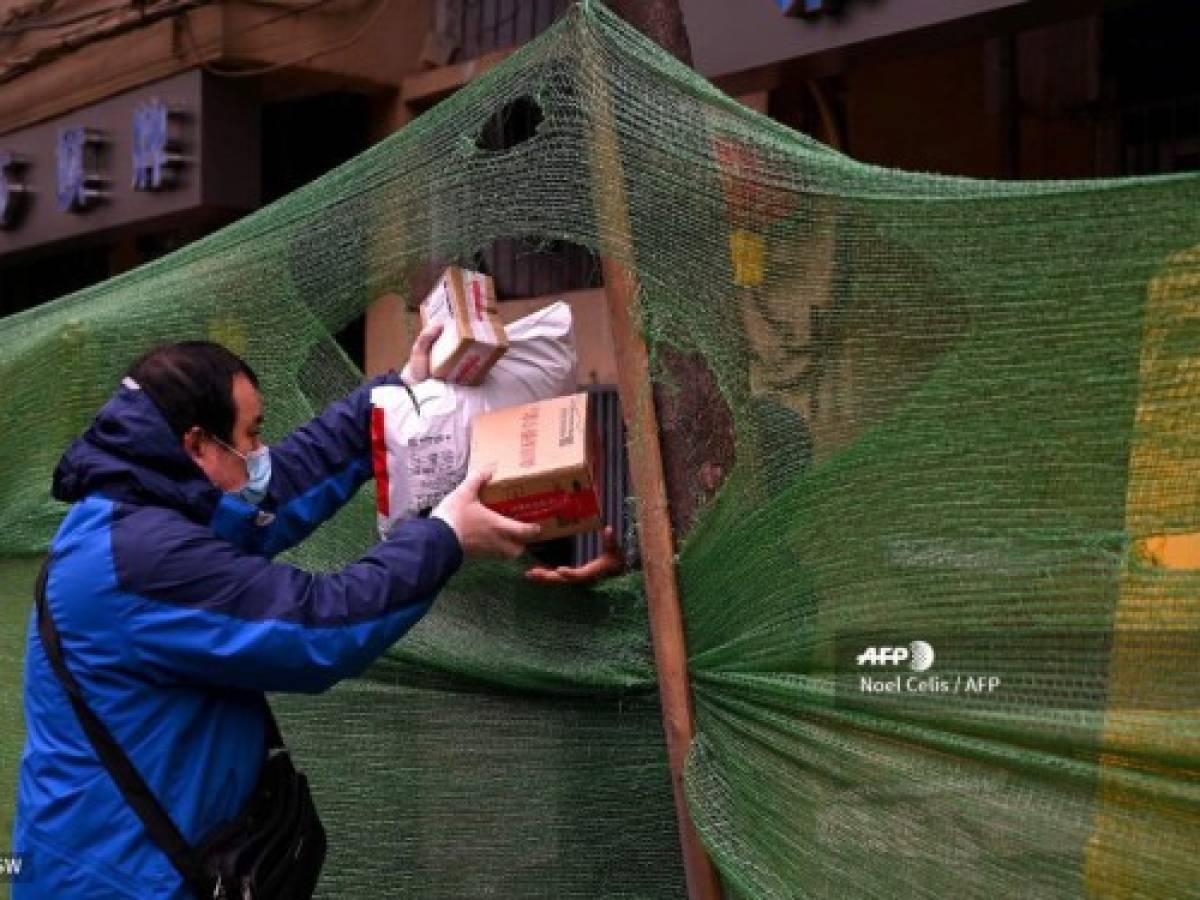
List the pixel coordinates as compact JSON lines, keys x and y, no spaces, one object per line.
{"x":137,"y":793}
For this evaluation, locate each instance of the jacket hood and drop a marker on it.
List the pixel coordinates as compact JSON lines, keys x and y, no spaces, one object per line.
{"x":129,"y":453}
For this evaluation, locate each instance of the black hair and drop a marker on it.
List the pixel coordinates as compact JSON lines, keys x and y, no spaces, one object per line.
{"x":191,"y":383}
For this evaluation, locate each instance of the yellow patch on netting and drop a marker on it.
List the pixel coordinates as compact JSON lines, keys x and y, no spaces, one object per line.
{"x":1138,"y":825}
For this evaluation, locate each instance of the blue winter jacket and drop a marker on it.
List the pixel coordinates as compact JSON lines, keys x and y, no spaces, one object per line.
{"x":174,"y":620}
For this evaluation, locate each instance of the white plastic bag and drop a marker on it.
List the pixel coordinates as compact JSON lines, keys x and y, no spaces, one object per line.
{"x":420,"y":456}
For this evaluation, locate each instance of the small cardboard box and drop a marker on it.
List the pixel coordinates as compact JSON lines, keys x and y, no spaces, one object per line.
{"x":473,"y":336}
{"x":548,"y":461}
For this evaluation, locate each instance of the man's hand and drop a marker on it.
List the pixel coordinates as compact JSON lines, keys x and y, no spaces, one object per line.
{"x":416,"y":369}
{"x":480,"y":531}
{"x":610,"y":562}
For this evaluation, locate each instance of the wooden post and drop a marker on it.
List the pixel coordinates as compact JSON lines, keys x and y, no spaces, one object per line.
{"x":658,"y":563}
{"x":646,"y":471}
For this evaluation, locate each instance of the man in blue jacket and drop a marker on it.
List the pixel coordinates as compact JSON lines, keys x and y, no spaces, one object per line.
{"x":174,"y":619}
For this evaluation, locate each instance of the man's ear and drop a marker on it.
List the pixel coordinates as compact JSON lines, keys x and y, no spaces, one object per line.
{"x":193,"y":442}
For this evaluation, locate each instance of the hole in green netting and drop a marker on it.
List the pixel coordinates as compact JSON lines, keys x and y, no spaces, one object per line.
{"x":513,"y":124}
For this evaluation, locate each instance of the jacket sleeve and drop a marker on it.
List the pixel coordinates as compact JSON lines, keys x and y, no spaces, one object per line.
{"x":201,"y":611}
{"x":315,"y":470}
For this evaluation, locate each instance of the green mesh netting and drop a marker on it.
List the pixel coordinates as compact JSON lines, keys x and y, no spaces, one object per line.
{"x":965,"y":414}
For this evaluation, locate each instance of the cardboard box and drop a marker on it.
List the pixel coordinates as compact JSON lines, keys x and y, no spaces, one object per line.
{"x":473,"y":337}
{"x":548,"y":461}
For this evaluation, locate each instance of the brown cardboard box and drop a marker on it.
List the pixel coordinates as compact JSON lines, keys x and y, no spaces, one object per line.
{"x":547,"y":460}
{"x":473,"y":337}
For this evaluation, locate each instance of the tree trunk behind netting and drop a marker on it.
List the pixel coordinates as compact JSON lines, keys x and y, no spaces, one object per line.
{"x":696,"y":425}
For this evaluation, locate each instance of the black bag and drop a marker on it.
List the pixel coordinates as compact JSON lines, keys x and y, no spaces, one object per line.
{"x":273,"y":850}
